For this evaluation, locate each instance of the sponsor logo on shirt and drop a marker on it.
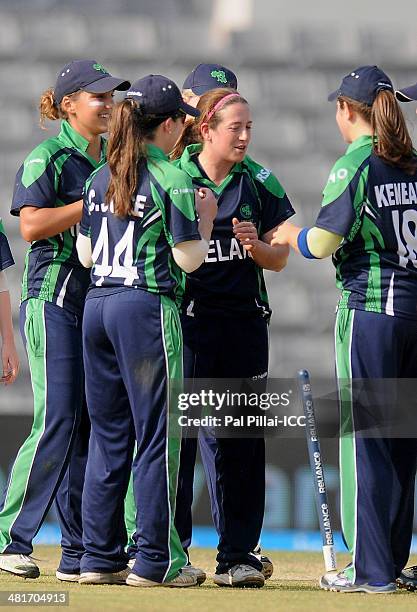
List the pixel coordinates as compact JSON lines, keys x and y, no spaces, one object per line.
{"x":38,"y":160}
{"x":340,"y":175}
{"x":263,"y":175}
{"x":180,"y":191}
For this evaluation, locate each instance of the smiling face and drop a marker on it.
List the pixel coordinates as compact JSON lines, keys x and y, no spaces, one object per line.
{"x":228,"y":141}
{"x":89,"y":113}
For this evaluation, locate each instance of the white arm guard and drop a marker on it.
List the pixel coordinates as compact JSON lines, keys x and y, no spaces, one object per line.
{"x":190,"y":255}
{"x":84,"y":250}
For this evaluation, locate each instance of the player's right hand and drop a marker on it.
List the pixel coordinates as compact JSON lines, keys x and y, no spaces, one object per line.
{"x":10,"y":363}
{"x":205,"y":204}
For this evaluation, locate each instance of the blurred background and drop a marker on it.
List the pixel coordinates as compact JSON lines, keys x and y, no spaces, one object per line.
{"x":287,"y":57}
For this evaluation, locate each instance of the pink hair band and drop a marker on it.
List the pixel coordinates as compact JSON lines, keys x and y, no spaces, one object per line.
{"x":220,"y":104}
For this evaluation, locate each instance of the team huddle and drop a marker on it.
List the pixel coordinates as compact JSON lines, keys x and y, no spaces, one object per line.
{"x":176,"y":225}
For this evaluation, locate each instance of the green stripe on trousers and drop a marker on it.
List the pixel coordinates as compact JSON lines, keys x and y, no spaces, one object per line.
{"x":172,"y":339}
{"x":347,"y":447}
{"x":36,"y":351}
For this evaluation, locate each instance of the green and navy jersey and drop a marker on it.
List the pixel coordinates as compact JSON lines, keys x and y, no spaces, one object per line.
{"x":6,"y":258}
{"x":135,"y":251}
{"x":373,"y":205}
{"x":229,"y":280}
{"x":54,"y":175}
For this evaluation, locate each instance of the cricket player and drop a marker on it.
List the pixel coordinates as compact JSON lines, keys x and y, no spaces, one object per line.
{"x":139,"y":230}
{"x":225,"y":304}
{"x":47,"y":197}
{"x":368,"y":221}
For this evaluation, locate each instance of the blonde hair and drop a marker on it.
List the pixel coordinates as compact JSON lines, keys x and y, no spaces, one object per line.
{"x":393,"y":142}
{"x":49,"y":109}
{"x":187,"y":94}
{"x":206,"y":104}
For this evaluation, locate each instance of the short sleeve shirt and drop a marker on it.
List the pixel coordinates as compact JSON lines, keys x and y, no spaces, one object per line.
{"x":136,"y":251}
{"x":53,"y":175}
{"x":373,"y":205}
{"x":6,"y":258}
{"x":229,"y":281}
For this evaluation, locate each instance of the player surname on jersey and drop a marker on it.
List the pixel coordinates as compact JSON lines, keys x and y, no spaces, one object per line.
{"x":396,"y":194}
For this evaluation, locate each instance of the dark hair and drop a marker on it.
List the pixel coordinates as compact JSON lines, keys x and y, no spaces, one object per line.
{"x":192,"y":128}
{"x":129,"y":129}
{"x":393,"y":143}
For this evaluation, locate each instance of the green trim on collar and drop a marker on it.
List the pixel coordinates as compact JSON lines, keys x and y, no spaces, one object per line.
{"x":362,"y":141}
{"x":73,"y":139}
{"x":154,"y":151}
{"x":190,"y":167}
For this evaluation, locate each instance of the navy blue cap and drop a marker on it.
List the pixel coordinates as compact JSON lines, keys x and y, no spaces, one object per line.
{"x":158,"y":95}
{"x":205,"y":77}
{"x":88,"y":75}
{"x":363,"y":85}
{"x":407,"y":94}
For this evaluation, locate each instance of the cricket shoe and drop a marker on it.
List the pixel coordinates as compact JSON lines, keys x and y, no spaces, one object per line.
{"x":408,"y":578}
{"x":199,"y":574}
{"x":20,"y":565}
{"x":267,"y":565}
{"x":340,"y":583}
{"x":181,"y":581}
{"x":241,"y":576}
{"x":104,"y":577}
{"x":65,"y":577}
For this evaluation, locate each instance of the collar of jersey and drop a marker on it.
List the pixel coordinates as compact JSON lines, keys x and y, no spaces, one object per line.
{"x":193,"y":170}
{"x":154,"y":151}
{"x":362,"y":141}
{"x":71,"y":138}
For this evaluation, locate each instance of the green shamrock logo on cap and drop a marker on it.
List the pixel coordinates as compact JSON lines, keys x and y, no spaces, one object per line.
{"x":100,"y":68}
{"x":246,"y":211}
{"x":219,"y":75}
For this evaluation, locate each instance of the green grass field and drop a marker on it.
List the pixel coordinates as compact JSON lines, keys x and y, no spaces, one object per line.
{"x":292,"y":587}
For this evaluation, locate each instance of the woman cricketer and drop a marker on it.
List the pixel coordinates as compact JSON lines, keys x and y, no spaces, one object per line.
{"x":368,"y":221}
{"x":47,"y":197}
{"x":224,"y":296}
{"x":138,"y":231}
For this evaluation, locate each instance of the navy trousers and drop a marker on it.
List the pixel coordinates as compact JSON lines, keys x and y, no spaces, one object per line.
{"x":225,"y":347}
{"x":51,"y":462}
{"x":377,"y":472}
{"x":132,"y":350}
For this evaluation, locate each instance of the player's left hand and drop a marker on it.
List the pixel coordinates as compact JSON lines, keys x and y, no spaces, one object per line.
{"x":246,"y":233}
{"x":280,"y":236}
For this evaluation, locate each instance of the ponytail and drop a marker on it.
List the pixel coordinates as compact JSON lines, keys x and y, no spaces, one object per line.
{"x":48,"y":108}
{"x":210,"y":106}
{"x":125,"y":149}
{"x":190,"y":135}
{"x":393,"y":143}
{"x":129,"y":131}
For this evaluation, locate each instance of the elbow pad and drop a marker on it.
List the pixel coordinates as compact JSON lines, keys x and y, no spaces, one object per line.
{"x":190,"y":255}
